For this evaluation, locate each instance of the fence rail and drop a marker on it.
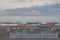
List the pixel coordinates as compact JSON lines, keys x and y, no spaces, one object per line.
{"x":42,"y":35}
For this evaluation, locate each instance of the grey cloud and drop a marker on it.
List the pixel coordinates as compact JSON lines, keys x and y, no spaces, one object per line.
{"x":46,"y":10}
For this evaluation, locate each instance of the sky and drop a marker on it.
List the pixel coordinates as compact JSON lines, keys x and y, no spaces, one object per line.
{"x":48,"y":9}
{"x":10,"y":4}
{"x":43,"y":19}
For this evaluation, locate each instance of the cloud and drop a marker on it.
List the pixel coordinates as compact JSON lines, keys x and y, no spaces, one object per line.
{"x":11,"y":4}
{"x":47,"y":10}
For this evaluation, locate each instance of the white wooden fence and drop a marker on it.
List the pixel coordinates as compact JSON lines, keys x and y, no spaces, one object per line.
{"x":37,"y":35}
